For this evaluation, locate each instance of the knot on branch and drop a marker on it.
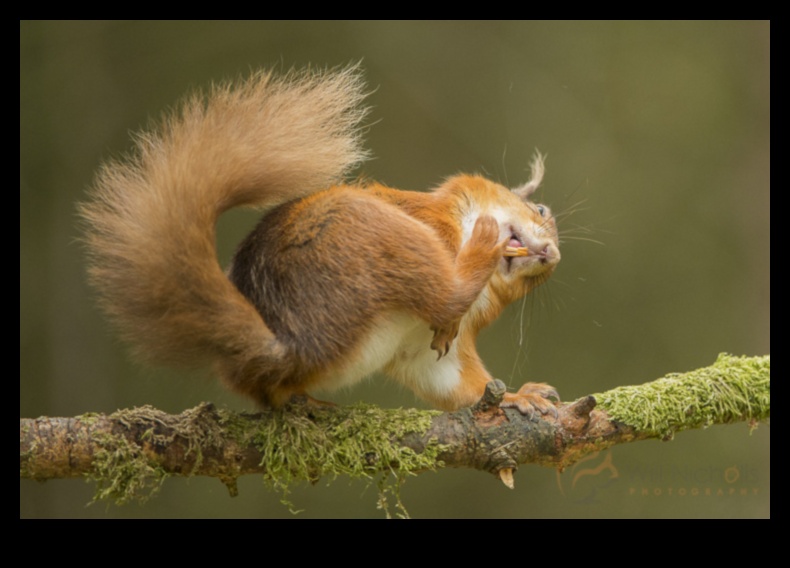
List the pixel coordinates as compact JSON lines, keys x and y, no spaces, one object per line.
{"x":575,"y":417}
{"x":493,"y":396}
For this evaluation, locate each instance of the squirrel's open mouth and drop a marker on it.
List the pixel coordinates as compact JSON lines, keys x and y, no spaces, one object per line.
{"x":512,"y":245}
{"x":515,"y":239}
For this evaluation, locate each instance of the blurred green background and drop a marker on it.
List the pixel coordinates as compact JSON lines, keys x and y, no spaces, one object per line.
{"x":658,"y":145}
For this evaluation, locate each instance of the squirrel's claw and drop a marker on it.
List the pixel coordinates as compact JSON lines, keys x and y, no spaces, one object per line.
{"x":443,"y":339}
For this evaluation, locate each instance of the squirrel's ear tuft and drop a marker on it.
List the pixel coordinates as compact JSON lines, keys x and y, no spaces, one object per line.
{"x":537,"y":167}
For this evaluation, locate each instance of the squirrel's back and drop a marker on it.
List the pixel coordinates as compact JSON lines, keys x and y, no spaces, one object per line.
{"x":151,"y":220}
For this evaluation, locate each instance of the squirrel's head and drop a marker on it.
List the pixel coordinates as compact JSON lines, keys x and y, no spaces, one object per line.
{"x":533,"y":247}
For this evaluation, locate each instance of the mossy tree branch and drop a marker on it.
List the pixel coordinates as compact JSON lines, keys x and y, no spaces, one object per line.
{"x":131,"y":452}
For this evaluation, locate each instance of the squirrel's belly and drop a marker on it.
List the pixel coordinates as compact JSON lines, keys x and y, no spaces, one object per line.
{"x":375,"y":352}
{"x":399,"y":345}
{"x":416,"y":366}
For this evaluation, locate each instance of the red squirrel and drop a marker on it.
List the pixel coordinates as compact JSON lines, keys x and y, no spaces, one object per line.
{"x":337,"y":280}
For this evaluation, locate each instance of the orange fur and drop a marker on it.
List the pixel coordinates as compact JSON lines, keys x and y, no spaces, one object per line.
{"x":336,"y":281}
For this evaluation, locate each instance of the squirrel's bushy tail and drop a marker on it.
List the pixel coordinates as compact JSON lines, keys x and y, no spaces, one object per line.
{"x":151,"y":218}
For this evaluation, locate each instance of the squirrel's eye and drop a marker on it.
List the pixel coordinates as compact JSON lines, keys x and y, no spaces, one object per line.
{"x":541,"y":210}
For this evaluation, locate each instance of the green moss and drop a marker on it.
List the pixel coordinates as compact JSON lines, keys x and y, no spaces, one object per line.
{"x":359,"y":442}
{"x":123,"y":473}
{"x":298,"y":444}
{"x":89,"y":418}
{"x":732,"y":389}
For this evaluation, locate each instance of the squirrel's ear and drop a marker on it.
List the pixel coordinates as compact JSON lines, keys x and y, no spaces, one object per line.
{"x":524,"y":191}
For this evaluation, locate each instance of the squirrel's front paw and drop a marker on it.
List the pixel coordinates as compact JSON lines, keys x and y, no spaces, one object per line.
{"x":484,"y":249}
{"x":533,"y":397}
{"x":485,"y":232}
{"x":443,"y":338}
{"x":485,"y":236}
